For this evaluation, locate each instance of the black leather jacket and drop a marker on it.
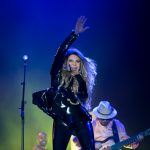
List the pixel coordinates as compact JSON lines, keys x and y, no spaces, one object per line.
{"x":62,"y":102}
{"x":67,"y":105}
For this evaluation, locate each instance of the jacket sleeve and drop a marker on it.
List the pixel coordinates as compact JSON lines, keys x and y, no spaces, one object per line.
{"x":60,"y":54}
{"x":43,"y":99}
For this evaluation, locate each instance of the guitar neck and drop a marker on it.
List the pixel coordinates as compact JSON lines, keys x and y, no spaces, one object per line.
{"x":125,"y":142}
{"x":130,"y":140}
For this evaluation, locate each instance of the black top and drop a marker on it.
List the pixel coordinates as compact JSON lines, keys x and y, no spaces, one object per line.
{"x":67,"y":105}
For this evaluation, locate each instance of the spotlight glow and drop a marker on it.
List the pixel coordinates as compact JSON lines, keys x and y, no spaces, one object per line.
{"x":25,"y":57}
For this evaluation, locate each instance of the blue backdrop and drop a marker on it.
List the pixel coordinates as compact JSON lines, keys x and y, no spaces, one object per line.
{"x":118,"y":40}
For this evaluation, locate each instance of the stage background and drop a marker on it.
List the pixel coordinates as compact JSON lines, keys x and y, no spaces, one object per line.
{"x":118,"y":40}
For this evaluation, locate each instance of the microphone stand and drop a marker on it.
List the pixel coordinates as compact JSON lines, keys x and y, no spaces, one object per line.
{"x":25,"y":57}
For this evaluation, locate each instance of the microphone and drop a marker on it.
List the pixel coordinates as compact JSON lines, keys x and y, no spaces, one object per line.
{"x":70,"y":68}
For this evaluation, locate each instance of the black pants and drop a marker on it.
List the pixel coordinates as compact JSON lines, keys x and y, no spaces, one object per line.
{"x":63,"y":132}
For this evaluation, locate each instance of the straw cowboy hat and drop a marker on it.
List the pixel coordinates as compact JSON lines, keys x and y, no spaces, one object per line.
{"x":104,"y":110}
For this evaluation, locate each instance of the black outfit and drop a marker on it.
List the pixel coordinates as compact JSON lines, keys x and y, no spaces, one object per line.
{"x":66,"y":108}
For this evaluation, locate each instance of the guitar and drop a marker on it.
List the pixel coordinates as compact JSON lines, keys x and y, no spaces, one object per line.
{"x":127,"y":141}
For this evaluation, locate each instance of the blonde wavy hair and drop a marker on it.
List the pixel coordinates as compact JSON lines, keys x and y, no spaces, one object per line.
{"x":87,"y":71}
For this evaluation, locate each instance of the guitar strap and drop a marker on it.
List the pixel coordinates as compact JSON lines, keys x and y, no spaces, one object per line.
{"x":115,"y":132}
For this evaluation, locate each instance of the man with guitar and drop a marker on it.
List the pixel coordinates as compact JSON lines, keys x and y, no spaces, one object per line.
{"x":110,"y":133}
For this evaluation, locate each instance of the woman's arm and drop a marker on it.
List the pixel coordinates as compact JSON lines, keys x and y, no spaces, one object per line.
{"x":60,"y":54}
{"x":59,"y":57}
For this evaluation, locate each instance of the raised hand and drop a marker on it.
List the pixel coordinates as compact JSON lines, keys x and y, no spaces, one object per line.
{"x":80,"y":25}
